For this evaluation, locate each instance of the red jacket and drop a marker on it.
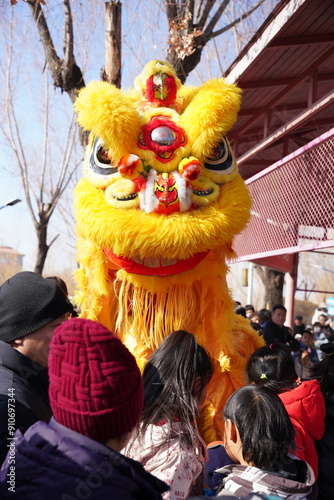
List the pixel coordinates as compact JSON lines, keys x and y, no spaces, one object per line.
{"x":306,"y":408}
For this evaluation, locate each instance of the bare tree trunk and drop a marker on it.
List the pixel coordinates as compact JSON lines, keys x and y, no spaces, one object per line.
{"x":111,"y":72}
{"x":184,"y":66}
{"x":43,"y":247}
{"x":273,"y":282}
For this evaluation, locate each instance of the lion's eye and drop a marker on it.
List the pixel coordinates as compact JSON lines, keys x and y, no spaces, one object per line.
{"x":102,"y":156}
{"x":99,"y":161}
{"x":221,"y":160}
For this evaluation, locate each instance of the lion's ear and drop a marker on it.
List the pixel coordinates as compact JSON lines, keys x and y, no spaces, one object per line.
{"x":110,"y":115}
{"x":210,"y":114}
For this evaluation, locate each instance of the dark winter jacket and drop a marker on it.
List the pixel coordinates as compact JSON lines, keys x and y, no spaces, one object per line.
{"x":299,"y":329}
{"x":217,"y":458}
{"x":23,"y":394}
{"x":325,"y":449}
{"x":274,"y":333}
{"x":55,"y":463}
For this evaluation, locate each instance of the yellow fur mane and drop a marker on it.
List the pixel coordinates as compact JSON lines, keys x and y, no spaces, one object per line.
{"x":144,"y":204}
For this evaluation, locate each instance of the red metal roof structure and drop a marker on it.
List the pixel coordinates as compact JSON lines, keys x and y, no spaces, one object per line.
{"x":284,"y":136}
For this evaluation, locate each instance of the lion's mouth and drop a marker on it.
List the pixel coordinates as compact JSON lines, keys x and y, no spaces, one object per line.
{"x":131,"y":196}
{"x":155,"y":266}
{"x":207,"y":192}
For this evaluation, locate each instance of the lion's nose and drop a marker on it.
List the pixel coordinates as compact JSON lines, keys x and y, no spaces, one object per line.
{"x":166,"y":192}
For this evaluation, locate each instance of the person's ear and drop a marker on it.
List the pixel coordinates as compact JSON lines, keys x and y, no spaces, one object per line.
{"x":231,"y":431}
{"x":17,"y":342}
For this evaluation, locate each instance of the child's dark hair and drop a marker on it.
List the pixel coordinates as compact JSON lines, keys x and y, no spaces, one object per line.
{"x":278,"y":306}
{"x":265,"y":315}
{"x":264,"y":426}
{"x":308,"y":332}
{"x":272,"y":366}
{"x":170,"y":391}
{"x":256,"y":327}
{"x":241,"y":311}
{"x":323,"y":372}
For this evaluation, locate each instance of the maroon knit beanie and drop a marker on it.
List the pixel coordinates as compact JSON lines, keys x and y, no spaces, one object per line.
{"x":96,"y":387}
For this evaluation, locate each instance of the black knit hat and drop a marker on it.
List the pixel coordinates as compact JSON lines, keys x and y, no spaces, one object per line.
{"x":27,"y":303}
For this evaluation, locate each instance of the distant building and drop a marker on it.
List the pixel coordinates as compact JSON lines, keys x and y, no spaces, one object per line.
{"x":11,"y":262}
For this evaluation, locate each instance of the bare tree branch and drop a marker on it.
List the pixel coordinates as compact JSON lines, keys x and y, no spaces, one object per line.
{"x":13,"y":129}
{"x":187,"y":12}
{"x":68,"y":36}
{"x":205,"y":14}
{"x":236,"y":21}
{"x":199,"y":9}
{"x":217,"y":55}
{"x":172,"y":10}
{"x":45,"y":141}
{"x":214,"y":20}
{"x":53,"y":240}
{"x":52,"y":59}
{"x":65,"y":175}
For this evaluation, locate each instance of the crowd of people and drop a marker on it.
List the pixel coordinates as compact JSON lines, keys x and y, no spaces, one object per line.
{"x":79,"y":421}
{"x":305,"y":340}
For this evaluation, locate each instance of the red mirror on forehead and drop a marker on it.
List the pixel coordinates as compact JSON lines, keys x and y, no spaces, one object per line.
{"x":163,"y":137}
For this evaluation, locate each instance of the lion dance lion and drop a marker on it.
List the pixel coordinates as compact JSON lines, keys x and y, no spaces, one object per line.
{"x":157,"y":210}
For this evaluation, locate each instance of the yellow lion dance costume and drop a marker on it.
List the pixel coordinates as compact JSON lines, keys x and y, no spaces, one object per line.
{"x":156,"y":215}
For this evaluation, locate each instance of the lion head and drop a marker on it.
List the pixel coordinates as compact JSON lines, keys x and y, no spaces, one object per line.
{"x":161,"y":186}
